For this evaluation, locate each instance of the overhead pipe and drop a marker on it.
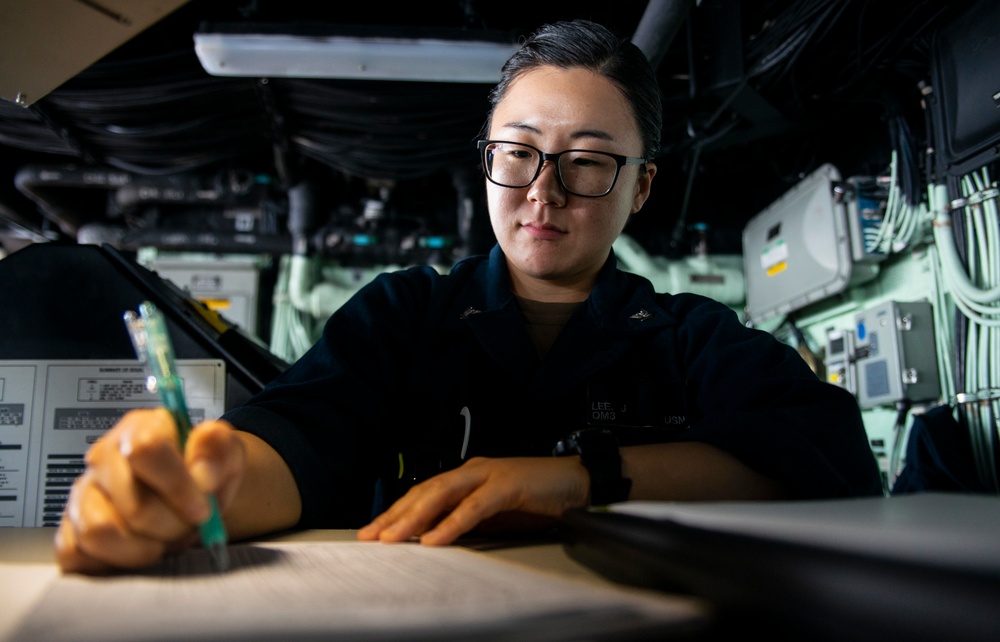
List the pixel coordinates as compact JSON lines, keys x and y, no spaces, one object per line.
{"x":44,"y":185}
{"x":658,"y":26}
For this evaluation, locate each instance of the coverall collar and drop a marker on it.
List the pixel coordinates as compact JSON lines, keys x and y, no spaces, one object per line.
{"x":615,"y":303}
{"x":619,"y":306}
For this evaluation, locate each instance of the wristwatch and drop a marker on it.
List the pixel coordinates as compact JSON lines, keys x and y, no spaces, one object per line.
{"x":598,"y":450}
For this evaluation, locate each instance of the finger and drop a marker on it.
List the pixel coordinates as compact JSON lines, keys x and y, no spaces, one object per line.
{"x":373,"y":530}
{"x":369,"y":532}
{"x":153,"y":456}
{"x":422,"y":506}
{"x":480,"y":505}
{"x":140,"y":508}
{"x":216,"y":459}
{"x":98,"y":535}
{"x":69,"y":556}
{"x":403,"y":520}
{"x":390,"y":515}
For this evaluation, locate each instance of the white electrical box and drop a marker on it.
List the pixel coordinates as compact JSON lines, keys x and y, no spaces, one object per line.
{"x":798,"y":250}
{"x":229,"y":286}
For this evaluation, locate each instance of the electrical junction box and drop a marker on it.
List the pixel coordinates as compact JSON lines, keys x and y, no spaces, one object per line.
{"x":894,"y":354}
{"x":839,"y":361}
{"x":228,"y":285}
{"x":798,"y":250}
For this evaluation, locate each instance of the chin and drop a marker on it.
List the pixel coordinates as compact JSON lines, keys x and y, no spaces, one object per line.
{"x":540,"y":269}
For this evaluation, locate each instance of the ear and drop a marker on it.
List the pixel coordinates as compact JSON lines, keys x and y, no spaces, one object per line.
{"x":642,"y":186}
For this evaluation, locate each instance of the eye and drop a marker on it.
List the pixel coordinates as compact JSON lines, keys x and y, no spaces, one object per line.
{"x":519,"y":153}
{"x":589,"y":159}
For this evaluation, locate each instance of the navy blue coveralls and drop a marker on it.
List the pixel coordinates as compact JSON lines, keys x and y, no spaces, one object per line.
{"x":421,"y":371}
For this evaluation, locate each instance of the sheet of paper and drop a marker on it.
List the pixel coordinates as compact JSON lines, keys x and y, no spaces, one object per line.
{"x":346,"y":590}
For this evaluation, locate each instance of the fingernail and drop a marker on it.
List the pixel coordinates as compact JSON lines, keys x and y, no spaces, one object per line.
{"x":430,"y":538}
{"x":389,"y":534}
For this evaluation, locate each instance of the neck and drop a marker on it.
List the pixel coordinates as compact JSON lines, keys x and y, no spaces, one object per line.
{"x":551,"y":291}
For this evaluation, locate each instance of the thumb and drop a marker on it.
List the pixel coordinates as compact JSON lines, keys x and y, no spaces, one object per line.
{"x":216,"y":458}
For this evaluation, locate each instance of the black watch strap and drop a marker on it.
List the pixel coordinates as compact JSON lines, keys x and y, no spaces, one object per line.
{"x":598,"y":450}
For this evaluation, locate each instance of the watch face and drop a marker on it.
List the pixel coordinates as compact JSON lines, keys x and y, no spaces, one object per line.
{"x":592,"y":441}
{"x":596,"y":440}
{"x":598,"y":450}
{"x":565,"y":447}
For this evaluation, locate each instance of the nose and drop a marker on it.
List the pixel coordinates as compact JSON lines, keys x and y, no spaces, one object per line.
{"x":547,"y":188}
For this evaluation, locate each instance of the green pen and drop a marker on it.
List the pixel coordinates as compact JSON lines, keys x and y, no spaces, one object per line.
{"x":148,"y":331}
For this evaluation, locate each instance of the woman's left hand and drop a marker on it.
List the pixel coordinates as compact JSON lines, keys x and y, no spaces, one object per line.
{"x":453,"y":503}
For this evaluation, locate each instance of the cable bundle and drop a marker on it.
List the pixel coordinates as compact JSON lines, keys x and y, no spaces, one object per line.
{"x":902,"y":221}
{"x":292,"y":331}
{"x":775,"y":50}
{"x":384,"y":131}
{"x":153,"y":115}
{"x":24,"y":129}
{"x":975,"y":291}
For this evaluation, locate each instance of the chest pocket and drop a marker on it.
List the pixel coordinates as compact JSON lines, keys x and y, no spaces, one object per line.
{"x":637,"y":403}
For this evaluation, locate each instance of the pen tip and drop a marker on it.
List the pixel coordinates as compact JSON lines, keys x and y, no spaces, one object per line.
{"x":220,"y":557}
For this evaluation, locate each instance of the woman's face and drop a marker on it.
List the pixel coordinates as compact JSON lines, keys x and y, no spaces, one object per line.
{"x":555,"y":242}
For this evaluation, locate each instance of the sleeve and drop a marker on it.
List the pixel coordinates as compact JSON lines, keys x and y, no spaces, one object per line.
{"x":757,"y":399}
{"x":327,"y":415}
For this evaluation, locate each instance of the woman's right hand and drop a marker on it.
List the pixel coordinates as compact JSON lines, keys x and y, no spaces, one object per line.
{"x":141,"y":497}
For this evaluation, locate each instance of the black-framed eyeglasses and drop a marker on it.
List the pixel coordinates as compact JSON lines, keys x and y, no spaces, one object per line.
{"x":583,"y":172}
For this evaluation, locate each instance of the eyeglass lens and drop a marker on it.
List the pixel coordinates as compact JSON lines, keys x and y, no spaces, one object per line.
{"x":586,"y":173}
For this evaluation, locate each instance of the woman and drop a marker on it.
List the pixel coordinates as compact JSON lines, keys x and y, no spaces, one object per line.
{"x":443,"y":397}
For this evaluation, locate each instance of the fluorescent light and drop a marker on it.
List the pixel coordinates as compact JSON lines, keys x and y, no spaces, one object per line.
{"x":291,"y":56}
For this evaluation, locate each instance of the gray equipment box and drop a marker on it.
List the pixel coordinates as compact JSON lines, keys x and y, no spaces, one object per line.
{"x":894,"y":354}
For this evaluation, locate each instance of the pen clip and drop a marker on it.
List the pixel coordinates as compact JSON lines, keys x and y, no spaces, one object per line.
{"x":159,"y":350}
{"x":140,"y":342}
{"x":148,"y":332}
{"x":137,"y":333}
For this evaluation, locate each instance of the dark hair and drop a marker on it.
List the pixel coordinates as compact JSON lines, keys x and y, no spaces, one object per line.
{"x":586,"y":44}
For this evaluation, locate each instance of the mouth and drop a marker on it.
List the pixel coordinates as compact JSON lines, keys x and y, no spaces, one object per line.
{"x":543,"y":231}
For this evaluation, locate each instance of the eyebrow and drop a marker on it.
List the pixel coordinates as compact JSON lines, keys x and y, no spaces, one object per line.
{"x":578,"y":134}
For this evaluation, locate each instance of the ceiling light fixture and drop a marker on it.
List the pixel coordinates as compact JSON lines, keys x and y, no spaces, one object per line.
{"x":351,"y":57}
